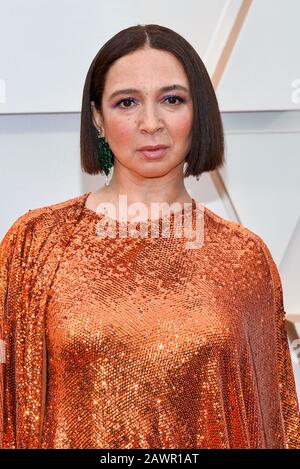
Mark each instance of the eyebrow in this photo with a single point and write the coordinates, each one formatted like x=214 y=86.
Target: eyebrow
x=134 y=90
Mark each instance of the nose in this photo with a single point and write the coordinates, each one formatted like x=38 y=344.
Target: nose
x=150 y=119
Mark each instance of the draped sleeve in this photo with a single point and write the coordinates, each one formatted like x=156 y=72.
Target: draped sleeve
x=286 y=381
x=10 y=276
x=30 y=253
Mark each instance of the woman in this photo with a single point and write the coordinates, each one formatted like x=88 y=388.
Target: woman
x=138 y=341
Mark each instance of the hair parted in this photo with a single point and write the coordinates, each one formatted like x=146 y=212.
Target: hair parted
x=207 y=145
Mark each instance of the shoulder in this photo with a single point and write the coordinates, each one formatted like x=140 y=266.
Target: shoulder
x=44 y=218
x=223 y=227
x=247 y=251
x=238 y=239
x=233 y=230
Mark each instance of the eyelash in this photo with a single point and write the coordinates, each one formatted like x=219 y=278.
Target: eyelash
x=181 y=100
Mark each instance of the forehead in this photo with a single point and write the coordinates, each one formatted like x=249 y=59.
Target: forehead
x=145 y=67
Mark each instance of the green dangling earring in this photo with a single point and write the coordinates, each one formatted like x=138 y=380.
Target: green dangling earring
x=106 y=157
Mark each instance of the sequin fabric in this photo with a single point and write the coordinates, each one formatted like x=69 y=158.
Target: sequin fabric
x=139 y=342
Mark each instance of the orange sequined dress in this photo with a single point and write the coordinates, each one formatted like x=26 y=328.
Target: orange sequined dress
x=148 y=344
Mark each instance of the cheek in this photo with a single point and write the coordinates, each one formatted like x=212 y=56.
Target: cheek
x=120 y=129
x=181 y=127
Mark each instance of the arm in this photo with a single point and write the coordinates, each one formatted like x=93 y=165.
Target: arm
x=7 y=384
x=287 y=387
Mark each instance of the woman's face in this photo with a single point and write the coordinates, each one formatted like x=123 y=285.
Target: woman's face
x=147 y=115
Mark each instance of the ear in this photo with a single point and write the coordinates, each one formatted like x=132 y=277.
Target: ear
x=96 y=117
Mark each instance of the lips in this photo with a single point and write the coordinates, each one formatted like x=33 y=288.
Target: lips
x=151 y=152
x=152 y=147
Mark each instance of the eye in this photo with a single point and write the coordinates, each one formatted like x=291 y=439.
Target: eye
x=173 y=97
x=125 y=100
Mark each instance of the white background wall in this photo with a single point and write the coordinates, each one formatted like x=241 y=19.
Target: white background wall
x=45 y=51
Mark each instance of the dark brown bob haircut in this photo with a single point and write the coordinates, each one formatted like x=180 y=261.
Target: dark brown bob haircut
x=207 y=143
